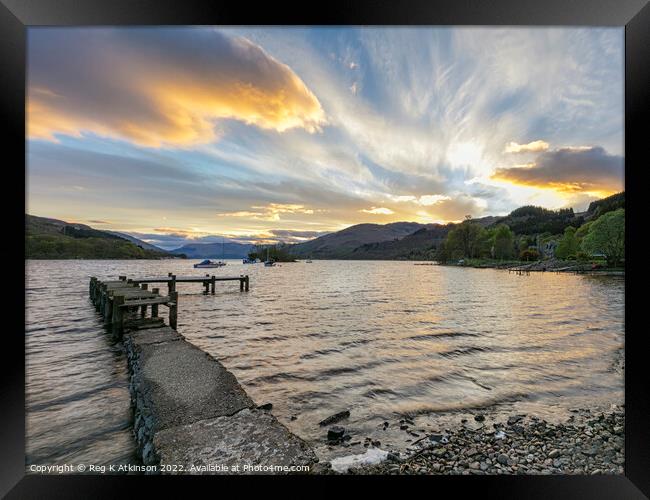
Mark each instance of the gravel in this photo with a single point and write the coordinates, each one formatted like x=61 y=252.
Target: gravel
x=588 y=442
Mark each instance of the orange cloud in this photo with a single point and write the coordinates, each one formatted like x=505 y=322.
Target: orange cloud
x=378 y=211
x=531 y=147
x=158 y=90
x=569 y=170
x=270 y=212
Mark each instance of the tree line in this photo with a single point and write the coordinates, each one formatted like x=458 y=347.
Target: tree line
x=604 y=235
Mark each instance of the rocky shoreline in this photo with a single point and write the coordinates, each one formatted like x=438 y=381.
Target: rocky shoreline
x=550 y=265
x=588 y=442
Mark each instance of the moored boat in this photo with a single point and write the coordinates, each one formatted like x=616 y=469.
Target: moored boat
x=207 y=263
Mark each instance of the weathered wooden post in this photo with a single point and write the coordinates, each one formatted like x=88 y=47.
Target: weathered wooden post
x=212 y=282
x=241 y=282
x=118 y=316
x=104 y=298
x=154 y=307
x=173 y=309
x=171 y=284
x=108 y=308
x=246 y=282
x=206 y=285
x=143 y=309
x=98 y=301
x=91 y=287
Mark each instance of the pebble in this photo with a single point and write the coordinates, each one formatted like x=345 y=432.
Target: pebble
x=594 y=446
x=335 y=433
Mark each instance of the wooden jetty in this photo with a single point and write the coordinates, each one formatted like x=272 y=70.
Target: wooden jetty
x=189 y=411
x=128 y=300
x=207 y=281
x=521 y=271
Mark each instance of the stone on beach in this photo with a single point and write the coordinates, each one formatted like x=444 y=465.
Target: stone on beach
x=335 y=433
x=334 y=418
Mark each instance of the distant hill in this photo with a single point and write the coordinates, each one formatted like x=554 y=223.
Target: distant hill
x=214 y=250
x=138 y=242
x=420 y=245
x=341 y=245
x=47 y=238
x=609 y=204
x=414 y=241
x=531 y=220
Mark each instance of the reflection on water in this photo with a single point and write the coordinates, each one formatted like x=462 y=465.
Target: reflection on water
x=379 y=338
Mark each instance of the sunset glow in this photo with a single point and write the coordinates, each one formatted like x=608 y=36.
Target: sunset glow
x=269 y=134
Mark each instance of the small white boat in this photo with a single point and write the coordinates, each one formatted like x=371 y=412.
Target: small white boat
x=308 y=261
x=207 y=263
x=250 y=261
x=268 y=262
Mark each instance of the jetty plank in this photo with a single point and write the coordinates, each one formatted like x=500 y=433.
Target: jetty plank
x=147 y=302
x=186 y=279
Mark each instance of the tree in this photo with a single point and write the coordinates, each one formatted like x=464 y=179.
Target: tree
x=466 y=240
x=583 y=231
x=277 y=253
x=529 y=254
x=503 y=242
x=607 y=236
x=443 y=255
x=568 y=245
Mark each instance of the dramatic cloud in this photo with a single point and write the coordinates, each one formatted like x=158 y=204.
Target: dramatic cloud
x=432 y=199
x=270 y=212
x=535 y=146
x=570 y=170
x=209 y=131
x=453 y=208
x=378 y=211
x=159 y=87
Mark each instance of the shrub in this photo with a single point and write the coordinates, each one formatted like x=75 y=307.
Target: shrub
x=529 y=254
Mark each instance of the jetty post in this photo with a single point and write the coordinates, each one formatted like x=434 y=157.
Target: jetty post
x=91 y=287
x=212 y=283
x=173 y=309
x=143 y=309
x=206 y=285
x=108 y=308
x=171 y=284
x=118 y=316
x=154 y=307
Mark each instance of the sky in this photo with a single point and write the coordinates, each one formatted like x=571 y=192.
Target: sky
x=193 y=134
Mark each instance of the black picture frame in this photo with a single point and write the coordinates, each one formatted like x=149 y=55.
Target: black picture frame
x=17 y=15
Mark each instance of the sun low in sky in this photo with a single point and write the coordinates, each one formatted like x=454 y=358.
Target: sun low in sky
x=268 y=134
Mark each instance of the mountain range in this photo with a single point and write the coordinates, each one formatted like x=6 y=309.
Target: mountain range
x=52 y=238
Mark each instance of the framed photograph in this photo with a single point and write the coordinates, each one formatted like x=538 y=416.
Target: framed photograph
x=381 y=241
